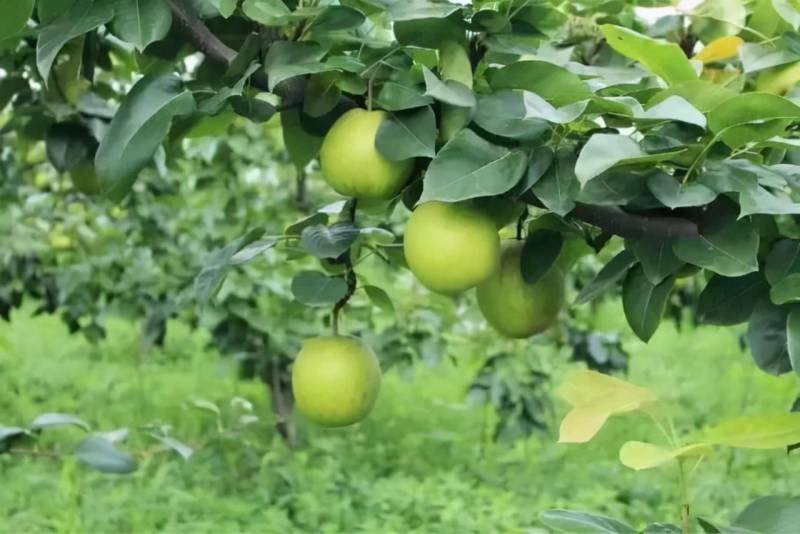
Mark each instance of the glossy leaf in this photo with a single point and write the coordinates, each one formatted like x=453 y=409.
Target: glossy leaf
x=287 y=59
x=314 y=288
x=787 y=290
x=539 y=253
x=104 y=456
x=83 y=16
x=408 y=135
x=673 y=194
x=58 y=419
x=770 y=515
x=137 y=130
x=783 y=260
x=766 y=335
x=604 y=151
x=729 y=301
x=300 y=144
x=751 y=117
x=142 y=22
x=468 y=166
x=448 y=91
x=558 y=187
x=329 y=241
x=644 y=302
x=555 y=84
x=585 y=522
x=663 y=59
x=379 y=298
x=657 y=258
x=729 y=251
x=504 y=113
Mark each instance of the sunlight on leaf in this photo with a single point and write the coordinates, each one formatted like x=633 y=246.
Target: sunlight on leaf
x=639 y=455
x=594 y=398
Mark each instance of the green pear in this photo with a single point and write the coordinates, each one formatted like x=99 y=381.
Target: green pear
x=352 y=165
x=517 y=309
x=335 y=380
x=451 y=247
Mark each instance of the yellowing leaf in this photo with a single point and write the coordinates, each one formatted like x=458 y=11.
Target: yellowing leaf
x=594 y=398
x=719 y=49
x=639 y=455
x=757 y=432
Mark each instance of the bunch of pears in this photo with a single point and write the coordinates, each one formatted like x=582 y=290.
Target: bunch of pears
x=450 y=248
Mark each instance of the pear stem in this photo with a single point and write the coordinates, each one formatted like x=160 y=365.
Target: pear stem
x=350 y=275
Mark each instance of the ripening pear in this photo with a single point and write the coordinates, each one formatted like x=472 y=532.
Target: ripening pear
x=335 y=380
x=515 y=308
x=451 y=247
x=352 y=165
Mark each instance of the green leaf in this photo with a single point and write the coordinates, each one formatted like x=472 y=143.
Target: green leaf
x=657 y=258
x=584 y=522
x=104 y=456
x=430 y=32
x=594 y=398
x=295 y=229
x=68 y=145
x=396 y=97
x=771 y=515
x=337 y=18
x=322 y=94
x=301 y=145
x=616 y=187
x=287 y=59
x=255 y=109
x=454 y=63
x=421 y=9
x=142 y=22
x=766 y=335
x=58 y=419
x=757 y=432
x=267 y=12
x=15 y=16
x=665 y=60
x=314 y=288
x=751 y=117
x=609 y=275
x=408 y=135
x=644 y=302
x=793 y=338
x=210 y=278
x=670 y=192
x=604 y=151
x=729 y=251
x=674 y=108
x=214 y=104
x=49 y=10
x=183 y=450
x=504 y=113
x=379 y=298
x=701 y=94
x=82 y=17
x=137 y=130
x=558 y=187
x=225 y=7
x=756 y=57
x=786 y=290
x=252 y=251
x=639 y=455
x=329 y=241
x=788 y=11
x=8 y=434
x=782 y=260
x=555 y=84
x=448 y=91
x=540 y=162
x=662 y=528
x=539 y=253
x=729 y=301
x=468 y=166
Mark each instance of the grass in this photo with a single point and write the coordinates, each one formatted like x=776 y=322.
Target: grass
x=419 y=464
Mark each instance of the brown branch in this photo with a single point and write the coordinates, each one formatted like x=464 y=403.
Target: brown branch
x=624 y=224
x=205 y=41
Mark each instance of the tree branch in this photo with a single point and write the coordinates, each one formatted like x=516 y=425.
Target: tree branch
x=205 y=41
x=624 y=224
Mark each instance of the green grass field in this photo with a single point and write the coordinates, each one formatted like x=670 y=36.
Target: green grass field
x=420 y=463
